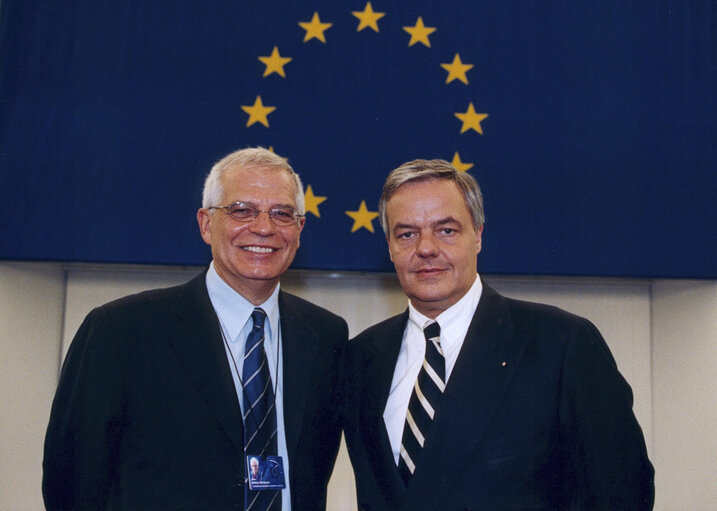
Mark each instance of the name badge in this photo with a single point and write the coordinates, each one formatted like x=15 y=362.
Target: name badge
x=265 y=473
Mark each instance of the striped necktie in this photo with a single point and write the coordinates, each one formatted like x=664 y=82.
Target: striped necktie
x=425 y=398
x=259 y=412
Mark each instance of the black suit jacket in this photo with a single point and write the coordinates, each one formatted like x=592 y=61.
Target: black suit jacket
x=535 y=416
x=146 y=415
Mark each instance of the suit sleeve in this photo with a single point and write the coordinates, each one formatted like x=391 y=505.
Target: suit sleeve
x=610 y=467
x=84 y=431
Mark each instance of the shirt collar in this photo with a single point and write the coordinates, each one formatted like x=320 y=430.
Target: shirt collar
x=234 y=311
x=454 y=321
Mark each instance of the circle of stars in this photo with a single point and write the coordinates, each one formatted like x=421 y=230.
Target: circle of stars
x=419 y=33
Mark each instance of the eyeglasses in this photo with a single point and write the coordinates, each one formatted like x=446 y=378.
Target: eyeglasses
x=245 y=212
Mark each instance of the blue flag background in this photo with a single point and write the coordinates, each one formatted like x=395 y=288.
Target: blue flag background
x=591 y=126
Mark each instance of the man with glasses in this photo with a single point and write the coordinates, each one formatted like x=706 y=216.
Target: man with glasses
x=167 y=396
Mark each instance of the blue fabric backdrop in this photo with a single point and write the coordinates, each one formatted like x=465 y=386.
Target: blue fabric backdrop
x=590 y=126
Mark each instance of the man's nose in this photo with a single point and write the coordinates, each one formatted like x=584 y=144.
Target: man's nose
x=262 y=224
x=427 y=246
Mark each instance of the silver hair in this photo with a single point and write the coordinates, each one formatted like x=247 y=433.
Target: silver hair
x=425 y=170
x=251 y=157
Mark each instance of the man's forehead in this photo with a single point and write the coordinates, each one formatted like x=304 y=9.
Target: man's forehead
x=255 y=169
x=406 y=208
x=254 y=177
x=447 y=196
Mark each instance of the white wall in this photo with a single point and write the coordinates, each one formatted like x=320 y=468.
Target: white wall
x=684 y=318
x=31 y=306
x=661 y=333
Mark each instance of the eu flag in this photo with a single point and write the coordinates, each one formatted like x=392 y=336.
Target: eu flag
x=590 y=126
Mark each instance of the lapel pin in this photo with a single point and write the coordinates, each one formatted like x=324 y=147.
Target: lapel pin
x=504 y=364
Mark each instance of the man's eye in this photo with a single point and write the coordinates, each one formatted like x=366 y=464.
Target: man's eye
x=241 y=211
x=448 y=230
x=283 y=213
x=405 y=235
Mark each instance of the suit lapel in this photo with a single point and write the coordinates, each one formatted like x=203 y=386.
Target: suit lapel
x=299 y=350
x=197 y=341
x=484 y=368
x=380 y=364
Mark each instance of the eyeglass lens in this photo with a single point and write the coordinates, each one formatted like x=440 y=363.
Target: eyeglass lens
x=247 y=212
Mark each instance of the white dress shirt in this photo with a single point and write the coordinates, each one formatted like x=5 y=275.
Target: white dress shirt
x=454 y=323
x=234 y=312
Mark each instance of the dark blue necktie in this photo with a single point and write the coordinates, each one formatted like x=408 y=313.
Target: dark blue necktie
x=426 y=396
x=259 y=412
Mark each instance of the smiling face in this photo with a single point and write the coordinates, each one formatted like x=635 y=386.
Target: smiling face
x=252 y=256
x=433 y=243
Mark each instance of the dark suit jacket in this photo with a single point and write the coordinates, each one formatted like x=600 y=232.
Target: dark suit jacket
x=146 y=415
x=535 y=416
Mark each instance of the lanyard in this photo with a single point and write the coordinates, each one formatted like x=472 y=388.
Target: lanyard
x=238 y=374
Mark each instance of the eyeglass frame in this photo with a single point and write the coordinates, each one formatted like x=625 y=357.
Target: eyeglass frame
x=248 y=205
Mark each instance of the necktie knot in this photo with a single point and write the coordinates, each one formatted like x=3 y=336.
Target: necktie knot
x=432 y=331
x=258 y=316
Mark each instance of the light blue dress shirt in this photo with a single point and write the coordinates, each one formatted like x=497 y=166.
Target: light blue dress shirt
x=234 y=312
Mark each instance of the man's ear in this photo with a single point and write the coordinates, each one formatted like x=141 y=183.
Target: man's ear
x=302 y=222
x=204 y=219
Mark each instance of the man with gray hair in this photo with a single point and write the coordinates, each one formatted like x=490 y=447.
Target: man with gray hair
x=168 y=397
x=520 y=404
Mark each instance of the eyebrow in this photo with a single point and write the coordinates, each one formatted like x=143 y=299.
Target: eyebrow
x=442 y=221
x=447 y=220
x=249 y=203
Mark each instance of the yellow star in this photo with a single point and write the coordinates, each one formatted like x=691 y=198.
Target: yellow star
x=275 y=63
x=362 y=218
x=419 y=33
x=258 y=112
x=457 y=69
x=460 y=165
x=314 y=28
x=368 y=18
x=471 y=119
x=312 y=201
